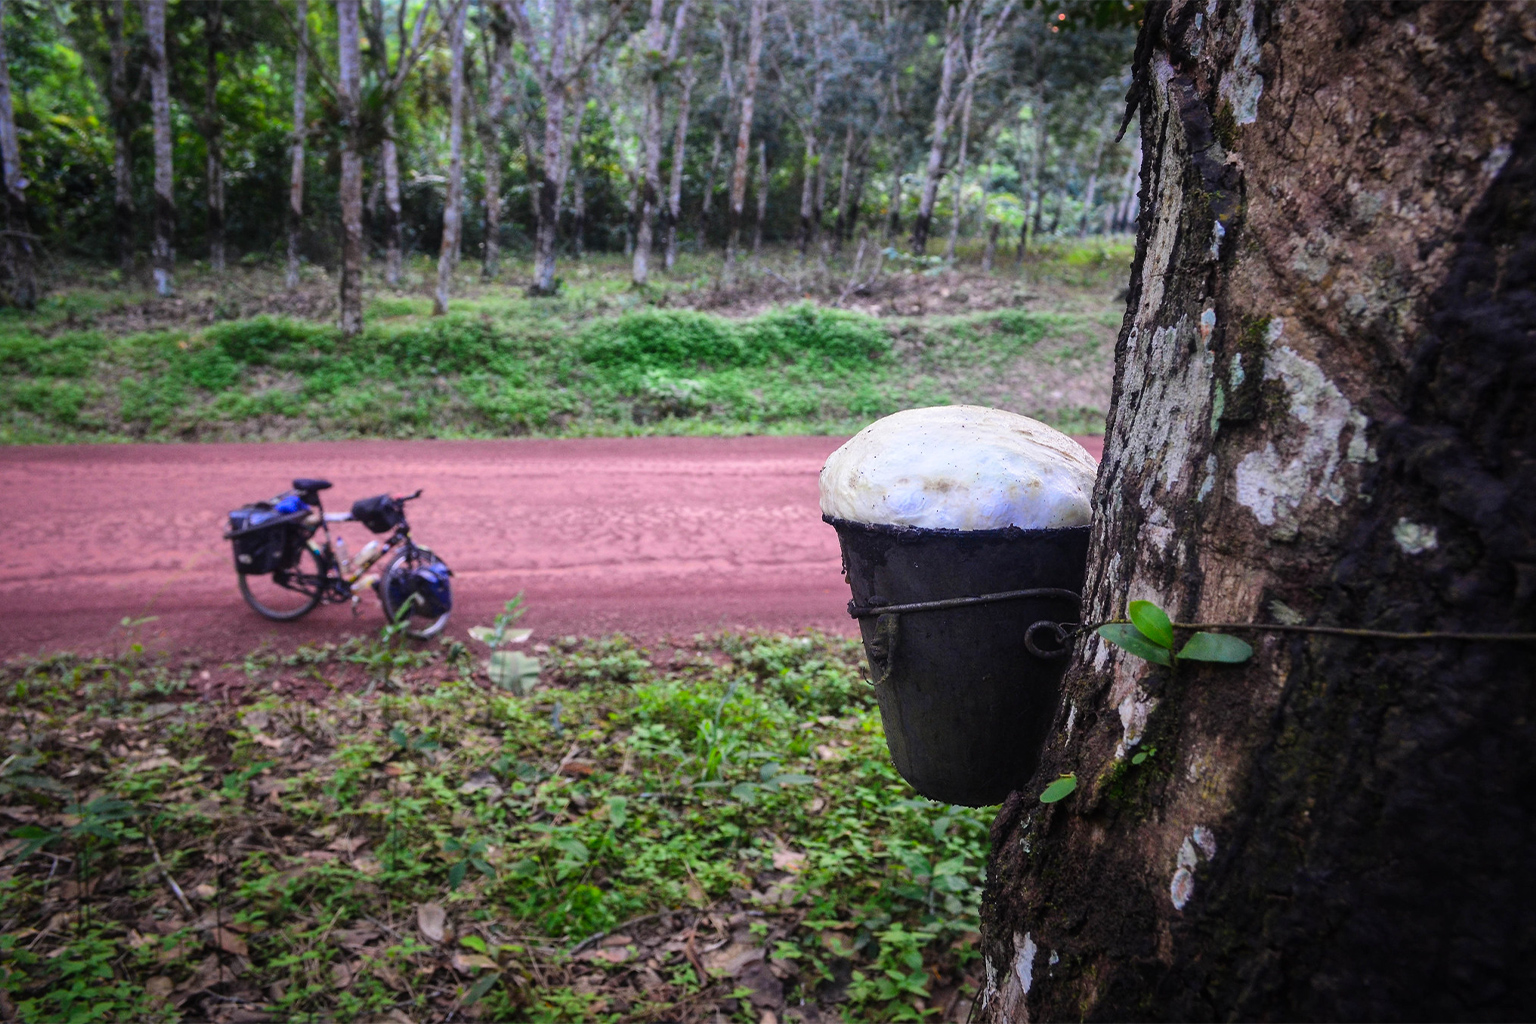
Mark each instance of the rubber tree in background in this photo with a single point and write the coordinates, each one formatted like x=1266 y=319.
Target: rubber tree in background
x=553 y=47
x=349 y=77
x=392 y=81
x=954 y=37
x=453 y=203
x=1321 y=418
x=19 y=270
x=673 y=211
x=213 y=130
x=296 y=146
x=659 y=58
x=163 y=252
x=984 y=32
x=115 y=16
x=744 y=127
x=496 y=37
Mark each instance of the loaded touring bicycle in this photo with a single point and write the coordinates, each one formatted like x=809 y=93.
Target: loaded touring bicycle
x=288 y=563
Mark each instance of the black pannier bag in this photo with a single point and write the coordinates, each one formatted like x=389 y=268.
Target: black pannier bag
x=380 y=513
x=265 y=540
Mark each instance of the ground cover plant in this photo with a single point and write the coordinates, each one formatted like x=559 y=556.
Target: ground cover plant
x=778 y=348
x=370 y=831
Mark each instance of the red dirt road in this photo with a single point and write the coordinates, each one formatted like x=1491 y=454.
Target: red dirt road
x=649 y=536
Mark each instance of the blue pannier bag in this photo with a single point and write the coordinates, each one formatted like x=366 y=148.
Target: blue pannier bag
x=429 y=582
x=267 y=535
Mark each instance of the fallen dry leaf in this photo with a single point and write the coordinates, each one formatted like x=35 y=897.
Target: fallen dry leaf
x=343 y=974
x=159 y=988
x=468 y=963
x=613 y=954
x=431 y=919
x=228 y=941
x=792 y=861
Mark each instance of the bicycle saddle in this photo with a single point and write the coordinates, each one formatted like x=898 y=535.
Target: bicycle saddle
x=304 y=485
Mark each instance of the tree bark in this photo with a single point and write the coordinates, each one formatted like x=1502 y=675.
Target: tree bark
x=744 y=130
x=1321 y=416
x=674 y=208
x=19 y=269
x=499 y=63
x=349 y=79
x=646 y=196
x=213 y=130
x=116 y=18
x=164 y=251
x=953 y=39
x=965 y=142
x=839 y=226
x=394 y=218
x=762 y=196
x=296 y=147
x=453 y=204
x=709 y=187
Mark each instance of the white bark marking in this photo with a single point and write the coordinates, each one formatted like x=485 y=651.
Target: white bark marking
x=1275 y=486
x=1414 y=538
x=1242 y=85
x=1024 y=964
x=1133 y=722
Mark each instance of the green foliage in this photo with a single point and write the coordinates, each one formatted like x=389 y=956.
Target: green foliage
x=1059 y=790
x=441 y=790
x=1150 y=637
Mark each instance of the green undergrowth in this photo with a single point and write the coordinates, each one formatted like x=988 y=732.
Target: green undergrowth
x=415 y=842
x=503 y=367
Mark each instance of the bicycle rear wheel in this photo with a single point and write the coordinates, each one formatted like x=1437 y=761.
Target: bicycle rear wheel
x=421 y=626
x=287 y=594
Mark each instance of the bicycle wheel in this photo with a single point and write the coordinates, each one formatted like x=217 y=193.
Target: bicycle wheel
x=422 y=626
x=287 y=594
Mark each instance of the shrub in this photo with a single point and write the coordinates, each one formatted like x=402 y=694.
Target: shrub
x=663 y=339
x=261 y=340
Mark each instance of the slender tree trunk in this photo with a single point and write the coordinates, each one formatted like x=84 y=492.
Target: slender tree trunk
x=453 y=205
x=744 y=131
x=808 y=168
x=500 y=61
x=762 y=196
x=164 y=251
x=709 y=186
x=1032 y=221
x=19 y=262
x=953 y=38
x=675 y=185
x=547 y=234
x=116 y=18
x=965 y=141
x=1321 y=418
x=213 y=130
x=839 y=226
x=990 y=255
x=893 y=228
x=647 y=196
x=349 y=78
x=1093 y=182
x=394 y=218
x=296 y=147
x=578 y=189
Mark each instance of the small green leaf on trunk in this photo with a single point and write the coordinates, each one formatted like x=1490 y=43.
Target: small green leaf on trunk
x=1059 y=790
x=1216 y=647
x=1153 y=623
x=1130 y=639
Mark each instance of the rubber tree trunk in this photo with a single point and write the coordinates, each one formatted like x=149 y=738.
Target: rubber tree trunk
x=762 y=196
x=674 y=209
x=17 y=249
x=500 y=61
x=647 y=196
x=453 y=204
x=548 y=231
x=296 y=147
x=1321 y=416
x=213 y=130
x=744 y=129
x=394 y=219
x=953 y=39
x=163 y=253
x=844 y=183
x=709 y=185
x=965 y=141
x=349 y=80
x=116 y=18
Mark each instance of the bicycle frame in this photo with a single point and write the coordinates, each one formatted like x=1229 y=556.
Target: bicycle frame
x=337 y=586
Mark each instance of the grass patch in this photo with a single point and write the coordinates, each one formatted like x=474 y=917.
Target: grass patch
x=598 y=360
x=640 y=838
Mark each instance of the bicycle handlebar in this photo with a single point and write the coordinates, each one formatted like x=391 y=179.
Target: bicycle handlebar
x=409 y=497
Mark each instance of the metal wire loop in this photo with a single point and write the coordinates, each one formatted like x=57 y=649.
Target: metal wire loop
x=1062 y=632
